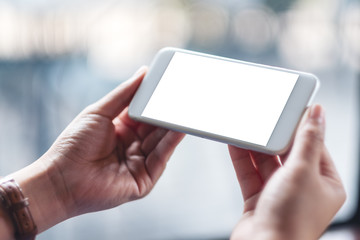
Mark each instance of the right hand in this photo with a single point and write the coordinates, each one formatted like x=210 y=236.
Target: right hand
x=291 y=197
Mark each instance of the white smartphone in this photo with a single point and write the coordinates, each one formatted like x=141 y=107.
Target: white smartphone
x=248 y=105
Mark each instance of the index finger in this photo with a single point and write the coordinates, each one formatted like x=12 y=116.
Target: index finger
x=249 y=179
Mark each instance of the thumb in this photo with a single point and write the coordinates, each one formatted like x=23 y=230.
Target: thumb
x=118 y=99
x=309 y=140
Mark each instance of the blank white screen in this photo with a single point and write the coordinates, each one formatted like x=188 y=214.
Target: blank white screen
x=221 y=97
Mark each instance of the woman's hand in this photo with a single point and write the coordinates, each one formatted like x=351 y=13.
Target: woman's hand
x=102 y=159
x=291 y=197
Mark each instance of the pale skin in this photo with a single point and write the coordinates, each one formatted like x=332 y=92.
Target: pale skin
x=101 y=160
x=104 y=159
x=291 y=197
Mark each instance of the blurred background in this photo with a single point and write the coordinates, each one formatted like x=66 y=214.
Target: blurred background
x=56 y=57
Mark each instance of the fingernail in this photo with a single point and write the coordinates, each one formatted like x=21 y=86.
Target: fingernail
x=317 y=113
x=140 y=71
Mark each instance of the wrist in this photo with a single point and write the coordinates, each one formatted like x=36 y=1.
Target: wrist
x=45 y=198
x=279 y=230
x=255 y=228
x=7 y=230
x=257 y=233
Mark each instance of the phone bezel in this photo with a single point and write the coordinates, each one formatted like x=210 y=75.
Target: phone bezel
x=300 y=97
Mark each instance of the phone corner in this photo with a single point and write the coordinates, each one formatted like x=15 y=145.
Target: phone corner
x=279 y=150
x=317 y=82
x=167 y=49
x=131 y=113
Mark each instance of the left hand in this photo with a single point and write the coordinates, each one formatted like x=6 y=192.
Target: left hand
x=104 y=158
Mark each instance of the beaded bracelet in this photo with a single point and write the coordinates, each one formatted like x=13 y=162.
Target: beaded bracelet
x=16 y=205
